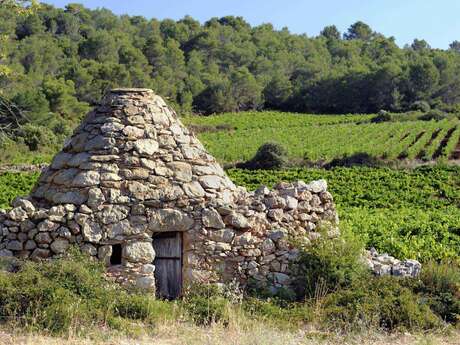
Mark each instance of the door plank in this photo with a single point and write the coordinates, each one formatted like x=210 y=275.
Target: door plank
x=167 y=246
x=168 y=264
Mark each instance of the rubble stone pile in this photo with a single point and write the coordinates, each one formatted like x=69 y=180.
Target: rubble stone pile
x=384 y=264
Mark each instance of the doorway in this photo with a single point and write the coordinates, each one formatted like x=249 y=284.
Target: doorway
x=168 y=264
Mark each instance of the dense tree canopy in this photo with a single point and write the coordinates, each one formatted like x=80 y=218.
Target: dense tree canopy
x=60 y=61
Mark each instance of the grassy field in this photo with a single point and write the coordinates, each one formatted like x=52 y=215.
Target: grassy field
x=180 y=334
x=235 y=137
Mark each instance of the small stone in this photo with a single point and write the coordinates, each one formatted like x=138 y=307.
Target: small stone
x=111 y=127
x=237 y=220
x=225 y=235
x=118 y=229
x=25 y=204
x=291 y=203
x=57 y=213
x=59 y=246
x=75 y=198
x=85 y=209
x=5 y=253
x=191 y=152
x=86 y=179
x=104 y=253
x=60 y=160
x=47 y=225
x=139 y=252
x=99 y=143
x=40 y=253
x=381 y=269
x=91 y=231
x=136 y=120
x=148 y=269
x=262 y=191
x=145 y=283
x=212 y=219
x=170 y=220
x=147 y=163
x=210 y=181
x=43 y=238
x=138 y=190
x=113 y=214
x=193 y=190
x=18 y=214
x=27 y=225
x=276 y=235
x=95 y=197
x=223 y=247
x=244 y=239
x=146 y=146
x=268 y=246
x=78 y=159
x=182 y=171
x=281 y=278
x=65 y=177
x=275 y=214
x=318 y=186
x=64 y=233
x=14 y=245
x=89 y=249
x=30 y=245
x=133 y=132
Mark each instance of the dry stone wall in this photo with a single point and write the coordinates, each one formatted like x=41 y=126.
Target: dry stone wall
x=131 y=170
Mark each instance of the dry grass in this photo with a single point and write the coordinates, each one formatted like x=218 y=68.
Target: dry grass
x=254 y=334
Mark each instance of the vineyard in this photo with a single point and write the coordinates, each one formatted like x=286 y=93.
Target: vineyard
x=413 y=213
x=235 y=137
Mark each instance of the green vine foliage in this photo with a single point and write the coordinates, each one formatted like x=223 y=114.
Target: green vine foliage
x=407 y=213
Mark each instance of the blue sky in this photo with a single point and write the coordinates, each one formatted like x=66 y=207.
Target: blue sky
x=436 y=21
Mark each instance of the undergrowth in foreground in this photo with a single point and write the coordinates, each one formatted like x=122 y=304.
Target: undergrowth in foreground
x=70 y=296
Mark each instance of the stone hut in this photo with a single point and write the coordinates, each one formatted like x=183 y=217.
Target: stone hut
x=134 y=188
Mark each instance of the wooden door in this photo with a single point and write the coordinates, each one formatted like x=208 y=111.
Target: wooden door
x=168 y=264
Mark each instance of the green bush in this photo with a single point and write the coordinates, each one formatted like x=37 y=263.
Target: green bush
x=435 y=115
x=356 y=159
x=206 y=304
x=378 y=302
x=382 y=116
x=72 y=295
x=439 y=284
x=328 y=265
x=278 y=311
x=421 y=106
x=36 y=137
x=270 y=155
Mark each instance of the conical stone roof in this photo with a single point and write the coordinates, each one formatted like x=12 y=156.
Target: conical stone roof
x=132 y=148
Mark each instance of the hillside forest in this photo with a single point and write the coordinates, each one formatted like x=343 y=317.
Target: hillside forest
x=56 y=62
